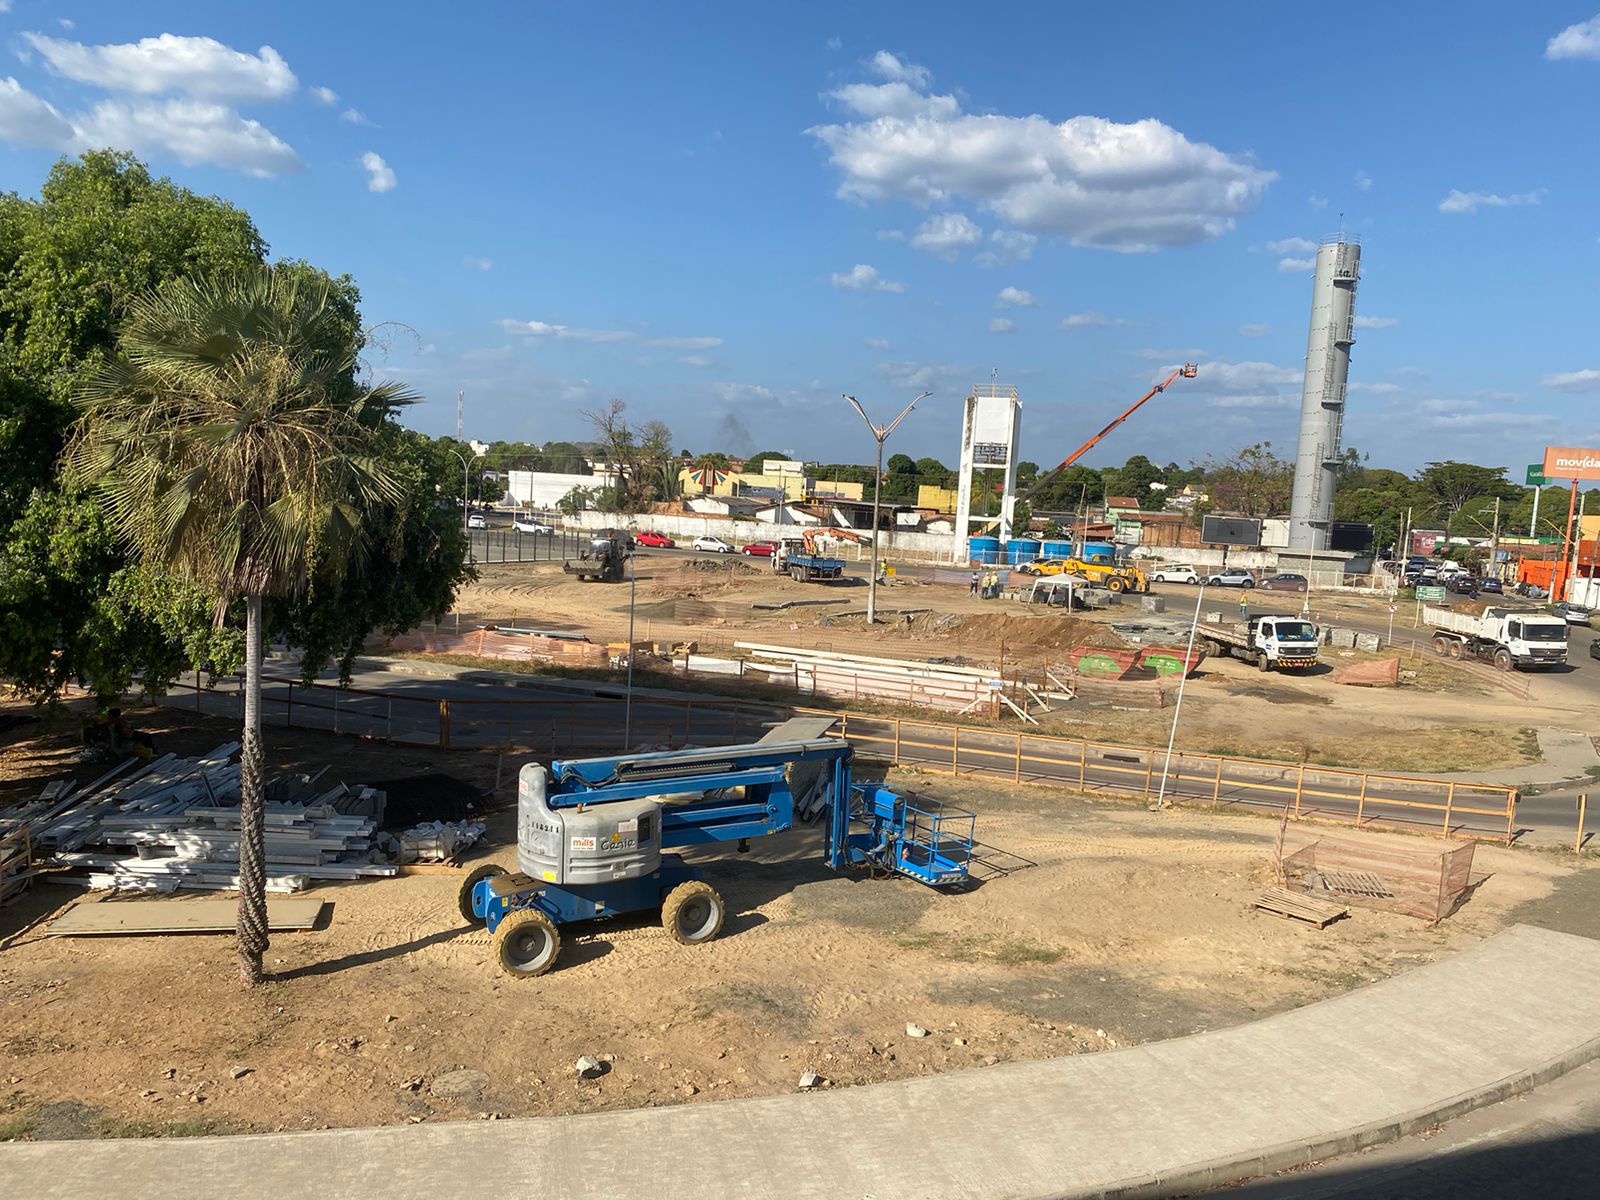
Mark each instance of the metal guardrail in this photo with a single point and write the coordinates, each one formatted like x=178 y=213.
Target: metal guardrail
x=594 y=724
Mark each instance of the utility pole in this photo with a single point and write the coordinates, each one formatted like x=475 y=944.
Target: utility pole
x=1494 y=542
x=461 y=397
x=880 y=434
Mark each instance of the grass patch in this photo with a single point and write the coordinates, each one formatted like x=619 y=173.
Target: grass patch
x=1010 y=952
x=69 y=1120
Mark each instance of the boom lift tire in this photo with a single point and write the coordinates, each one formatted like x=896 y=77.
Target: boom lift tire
x=692 y=913
x=526 y=943
x=464 y=896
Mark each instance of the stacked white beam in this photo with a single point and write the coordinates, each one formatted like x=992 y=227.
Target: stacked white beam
x=175 y=823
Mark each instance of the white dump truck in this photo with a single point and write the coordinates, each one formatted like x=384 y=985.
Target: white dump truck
x=1287 y=643
x=1508 y=637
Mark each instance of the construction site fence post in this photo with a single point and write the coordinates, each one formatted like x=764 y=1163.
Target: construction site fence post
x=1583 y=809
x=388 y=722
x=288 y=706
x=1017 y=776
x=1299 y=789
x=897 y=741
x=955 y=749
x=336 y=710
x=1216 y=786
x=197 y=689
x=444 y=724
x=1449 y=803
x=1083 y=764
x=1361 y=800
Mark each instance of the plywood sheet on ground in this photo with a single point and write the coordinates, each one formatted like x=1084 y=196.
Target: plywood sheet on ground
x=176 y=916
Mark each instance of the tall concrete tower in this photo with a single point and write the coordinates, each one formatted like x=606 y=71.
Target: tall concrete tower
x=1316 y=461
x=991 y=424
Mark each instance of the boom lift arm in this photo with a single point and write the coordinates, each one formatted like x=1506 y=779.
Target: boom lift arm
x=1187 y=371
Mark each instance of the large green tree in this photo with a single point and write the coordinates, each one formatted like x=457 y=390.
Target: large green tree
x=230 y=448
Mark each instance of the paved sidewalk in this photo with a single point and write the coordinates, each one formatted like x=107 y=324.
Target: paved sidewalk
x=1565 y=757
x=1512 y=1012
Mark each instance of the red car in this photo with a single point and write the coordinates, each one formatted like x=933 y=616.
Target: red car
x=764 y=549
x=655 y=540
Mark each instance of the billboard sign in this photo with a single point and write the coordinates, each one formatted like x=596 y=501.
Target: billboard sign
x=989 y=454
x=1230 y=531
x=1354 y=536
x=1536 y=475
x=1430 y=593
x=1571 y=462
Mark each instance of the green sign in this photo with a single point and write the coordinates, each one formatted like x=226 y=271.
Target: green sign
x=1430 y=593
x=1536 y=475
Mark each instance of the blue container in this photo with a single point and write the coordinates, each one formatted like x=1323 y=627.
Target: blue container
x=1099 y=552
x=1056 y=550
x=985 y=551
x=1021 y=550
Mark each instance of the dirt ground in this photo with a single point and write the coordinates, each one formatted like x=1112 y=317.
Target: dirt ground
x=1118 y=927
x=1442 y=718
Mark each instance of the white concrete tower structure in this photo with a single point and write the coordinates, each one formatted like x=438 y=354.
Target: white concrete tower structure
x=991 y=425
x=1333 y=332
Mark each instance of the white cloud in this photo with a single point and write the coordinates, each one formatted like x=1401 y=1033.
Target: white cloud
x=1363 y=181
x=26 y=120
x=1377 y=322
x=1134 y=186
x=195 y=66
x=1291 y=245
x=891 y=235
x=897 y=70
x=1470 y=202
x=1001 y=325
x=946 y=234
x=833 y=43
x=354 y=117
x=1576 y=41
x=66 y=23
x=1376 y=389
x=744 y=393
x=380 y=175
x=189 y=130
x=917 y=375
x=1006 y=246
x=1297 y=264
x=876 y=343
x=1014 y=297
x=1317 y=201
x=1254 y=330
x=5 y=6
x=325 y=95
x=1191 y=354
x=695 y=360
x=1586 y=380
x=1246 y=384
x=541 y=330
x=864 y=278
x=1084 y=320
x=476 y=263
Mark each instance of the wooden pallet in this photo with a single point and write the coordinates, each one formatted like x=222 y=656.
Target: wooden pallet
x=1302 y=908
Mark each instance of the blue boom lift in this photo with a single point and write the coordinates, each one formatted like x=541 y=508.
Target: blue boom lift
x=591 y=835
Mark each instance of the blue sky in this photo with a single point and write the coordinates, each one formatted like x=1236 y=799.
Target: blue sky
x=729 y=214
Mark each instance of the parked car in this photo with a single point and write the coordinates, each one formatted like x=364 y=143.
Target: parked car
x=1491 y=585
x=1284 y=582
x=759 y=549
x=1042 y=566
x=1238 y=579
x=529 y=525
x=1177 y=573
x=477 y=521
x=1462 y=584
x=712 y=545
x=1575 y=614
x=655 y=539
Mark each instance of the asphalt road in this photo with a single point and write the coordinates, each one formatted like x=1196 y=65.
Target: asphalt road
x=540 y=717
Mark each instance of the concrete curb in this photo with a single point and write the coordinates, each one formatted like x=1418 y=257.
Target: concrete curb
x=1225 y=1172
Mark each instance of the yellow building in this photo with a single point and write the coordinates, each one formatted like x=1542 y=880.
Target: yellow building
x=937 y=498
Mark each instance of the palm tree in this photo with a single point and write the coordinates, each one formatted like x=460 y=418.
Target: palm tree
x=229 y=443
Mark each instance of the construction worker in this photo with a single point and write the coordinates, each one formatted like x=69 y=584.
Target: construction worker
x=973 y=591
x=1244 y=604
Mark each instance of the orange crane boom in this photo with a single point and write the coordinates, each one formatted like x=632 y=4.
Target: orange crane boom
x=1187 y=371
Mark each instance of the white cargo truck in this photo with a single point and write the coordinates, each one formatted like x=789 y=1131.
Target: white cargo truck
x=1508 y=637
x=1288 y=643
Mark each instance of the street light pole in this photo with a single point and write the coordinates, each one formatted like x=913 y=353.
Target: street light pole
x=1161 y=795
x=466 y=493
x=880 y=434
